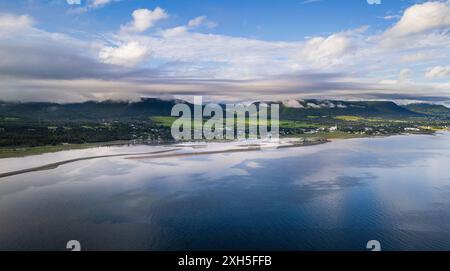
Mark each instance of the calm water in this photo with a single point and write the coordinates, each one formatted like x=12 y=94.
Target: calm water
x=335 y=196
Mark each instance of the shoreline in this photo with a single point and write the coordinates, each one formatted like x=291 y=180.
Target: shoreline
x=176 y=147
x=157 y=154
x=249 y=148
x=18 y=152
x=57 y=164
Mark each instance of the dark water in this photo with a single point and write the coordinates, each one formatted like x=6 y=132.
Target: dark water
x=335 y=196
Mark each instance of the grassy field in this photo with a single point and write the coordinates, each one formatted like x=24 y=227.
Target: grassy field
x=167 y=122
x=164 y=121
x=435 y=128
x=350 y=118
x=332 y=135
x=368 y=120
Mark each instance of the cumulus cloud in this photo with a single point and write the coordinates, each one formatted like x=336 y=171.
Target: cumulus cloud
x=420 y=19
x=128 y=54
x=437 y=72
x=333 y=46
x=144 y=19
x=327 y=49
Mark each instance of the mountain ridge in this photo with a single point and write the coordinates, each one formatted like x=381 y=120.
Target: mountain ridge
x=291 y=109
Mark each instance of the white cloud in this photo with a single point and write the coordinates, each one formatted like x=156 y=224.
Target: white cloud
x=180 y=30
x=331 y=50
x=374 y=2
x=391 y=17
x=232 y=58
x=73 y=2
x=90 y=5
x=144 y=19
x=128 y=54
x=313 y=105
x=330 y=47
x=197 y=21
x=421 y=18
x=292 y=104
x=11 y=22
x=184 y=60
x=437 y=72
x=98 y=3
x=201 y=20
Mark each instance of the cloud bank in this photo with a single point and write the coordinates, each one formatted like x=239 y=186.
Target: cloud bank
x=140 y=58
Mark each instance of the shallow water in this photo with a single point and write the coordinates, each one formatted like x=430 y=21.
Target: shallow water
x=334 y=196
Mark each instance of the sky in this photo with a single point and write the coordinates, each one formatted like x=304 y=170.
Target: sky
x=78 y=50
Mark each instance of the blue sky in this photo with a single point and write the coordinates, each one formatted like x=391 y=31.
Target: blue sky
x=264 y=19
x=72 y=50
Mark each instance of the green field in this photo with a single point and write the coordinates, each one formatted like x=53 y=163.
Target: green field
x=167 y=122
x=350 y=118
x=368 y=120
x=164 y=121
x=332 y=135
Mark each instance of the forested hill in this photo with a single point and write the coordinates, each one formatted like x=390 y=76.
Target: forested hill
x=293 y=109
x=429 y=109
x=385 y=109
x=87 y=111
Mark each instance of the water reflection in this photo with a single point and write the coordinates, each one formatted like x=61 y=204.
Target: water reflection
x=331 y=196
